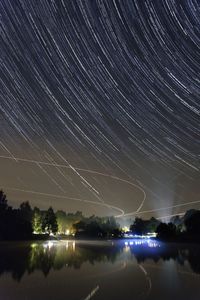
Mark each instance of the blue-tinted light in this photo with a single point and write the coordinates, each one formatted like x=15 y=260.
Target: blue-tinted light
x=146 y=242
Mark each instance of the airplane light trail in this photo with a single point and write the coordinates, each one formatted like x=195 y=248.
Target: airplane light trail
x=84 y=170
x=69 y=198
x=123 y=214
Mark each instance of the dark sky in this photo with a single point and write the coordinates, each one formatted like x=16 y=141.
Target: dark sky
x=100 y=105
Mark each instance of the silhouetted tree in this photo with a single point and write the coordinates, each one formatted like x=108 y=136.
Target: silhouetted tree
x=189 y=213
x=139 y=226
x=93 y=229
x=26 y=211
x=97 y=227
x=192 y=223
x=3 y=202
x=152 y=225
x=80 y=227
x=50 y=222
x=176 y=220
x=25 y=220
x=166 y=231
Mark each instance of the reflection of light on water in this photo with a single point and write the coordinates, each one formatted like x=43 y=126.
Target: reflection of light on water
x=153 y=244
x=67 y=245
x=74 y=246
x=126 y=249
x=148 y=278
x=48 y=245
x=92 y=293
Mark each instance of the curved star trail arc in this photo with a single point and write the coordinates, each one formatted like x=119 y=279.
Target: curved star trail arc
x=111 y=86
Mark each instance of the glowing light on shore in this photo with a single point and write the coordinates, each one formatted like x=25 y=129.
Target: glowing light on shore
x=150 y=243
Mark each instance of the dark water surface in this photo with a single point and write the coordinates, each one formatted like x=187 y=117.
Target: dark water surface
x=110 y=270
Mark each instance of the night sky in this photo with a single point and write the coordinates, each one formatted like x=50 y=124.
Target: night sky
x=100 y=105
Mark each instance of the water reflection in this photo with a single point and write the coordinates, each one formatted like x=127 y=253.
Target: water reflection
x=154 y=250
x=53 y=255
x=17 y=259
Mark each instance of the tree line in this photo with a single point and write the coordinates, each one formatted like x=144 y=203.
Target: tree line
x=23 y=222
x=27 y=223
x=185 y=228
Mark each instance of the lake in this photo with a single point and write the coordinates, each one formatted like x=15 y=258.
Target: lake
x=106 y=270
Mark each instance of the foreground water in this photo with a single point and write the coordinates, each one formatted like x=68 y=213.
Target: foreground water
x=110 y=270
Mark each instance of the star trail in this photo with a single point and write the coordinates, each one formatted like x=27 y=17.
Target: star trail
x=100 y=105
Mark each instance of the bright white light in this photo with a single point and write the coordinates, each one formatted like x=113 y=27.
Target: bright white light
x=67 y=232
x=50 y=244
x=67 y=245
